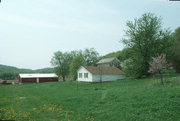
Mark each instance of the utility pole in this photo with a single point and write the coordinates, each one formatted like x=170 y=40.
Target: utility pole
x=100 y=73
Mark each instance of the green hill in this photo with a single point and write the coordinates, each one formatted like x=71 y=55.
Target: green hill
x=125 y=100
x=44 y=70
x=113 y=54
x=9 y=69
x=5 y=68
x=11 y=73
x=121 y=55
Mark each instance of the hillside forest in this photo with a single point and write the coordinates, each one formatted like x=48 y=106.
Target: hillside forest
x=144 y=39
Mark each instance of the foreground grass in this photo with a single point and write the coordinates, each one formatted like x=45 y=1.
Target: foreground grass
x=125 y=100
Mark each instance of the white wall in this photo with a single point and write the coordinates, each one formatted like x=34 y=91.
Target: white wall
x=83 y=70
x=96 y=78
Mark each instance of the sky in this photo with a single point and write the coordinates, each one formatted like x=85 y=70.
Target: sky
x=32 y=30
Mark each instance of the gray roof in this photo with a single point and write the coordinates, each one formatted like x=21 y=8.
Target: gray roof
x=107 y=60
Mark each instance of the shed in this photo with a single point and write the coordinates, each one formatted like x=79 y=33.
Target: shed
x=99 y=74
x=36 y=78
x=107 y=62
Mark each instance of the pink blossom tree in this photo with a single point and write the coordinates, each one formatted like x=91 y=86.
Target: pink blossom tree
x=158 y=65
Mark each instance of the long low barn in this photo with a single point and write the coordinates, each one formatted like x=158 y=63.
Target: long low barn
x=36 y=78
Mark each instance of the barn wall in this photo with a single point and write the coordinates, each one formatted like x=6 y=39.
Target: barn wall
x=48 y=79
x=96 y=78
x=34 y=80
x=83 y=70
x=28 y=80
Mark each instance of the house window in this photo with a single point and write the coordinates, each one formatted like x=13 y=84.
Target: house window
x=80 y=75
x=85 y=75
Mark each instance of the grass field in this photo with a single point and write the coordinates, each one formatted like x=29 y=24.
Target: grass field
x=125 y=100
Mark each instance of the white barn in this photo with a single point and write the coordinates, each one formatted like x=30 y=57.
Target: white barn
x=98 y=74
x=36 y=78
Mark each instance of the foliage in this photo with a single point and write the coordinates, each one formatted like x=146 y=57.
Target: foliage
x=61 y=62
x=67 y=63
x=5 y=68
x=44 y=70
x=126 y=100
x=133 y=67
x=8 y=75
x=175 y=49
x=113 y=54
x=146 y=39
x=90 y=56
x=14 y=71
x=125 y=54
x=158 y=65
x=76 y=63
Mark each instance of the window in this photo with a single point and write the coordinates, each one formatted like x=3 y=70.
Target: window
x=85 y=75
x=80 y=75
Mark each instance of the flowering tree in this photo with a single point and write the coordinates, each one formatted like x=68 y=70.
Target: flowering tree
x=158 y=65
x=145 y=37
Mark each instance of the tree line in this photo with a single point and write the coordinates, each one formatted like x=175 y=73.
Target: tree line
x=144 y=40
x=11 y=73
x=67 y=63
x=8 y=75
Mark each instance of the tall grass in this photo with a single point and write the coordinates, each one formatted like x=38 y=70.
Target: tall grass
x=124 y=100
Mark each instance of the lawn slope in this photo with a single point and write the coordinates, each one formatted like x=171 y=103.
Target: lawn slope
x=125 y=100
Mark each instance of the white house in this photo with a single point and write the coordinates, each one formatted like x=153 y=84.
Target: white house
x=98 y=74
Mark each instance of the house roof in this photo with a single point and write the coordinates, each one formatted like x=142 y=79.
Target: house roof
x=107 y=60
x=104 y=70
x=37 y=75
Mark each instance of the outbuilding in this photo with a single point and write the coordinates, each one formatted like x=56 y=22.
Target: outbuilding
x=99 y=74
x=109 y=62
x=37 y=78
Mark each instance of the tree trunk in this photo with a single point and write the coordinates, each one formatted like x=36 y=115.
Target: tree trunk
x=161 y=78
x=63 y=78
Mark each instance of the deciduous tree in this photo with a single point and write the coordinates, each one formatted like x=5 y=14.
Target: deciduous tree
x=158 y=65
x=67 y=63
x=76 y=63
x=175 y=49
x=146 y=38
x=61 y=62
x=90 y=56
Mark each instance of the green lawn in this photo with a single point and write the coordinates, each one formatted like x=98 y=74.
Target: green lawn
x=125 y=100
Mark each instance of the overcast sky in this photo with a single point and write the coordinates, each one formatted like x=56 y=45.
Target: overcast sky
x=32 y=30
